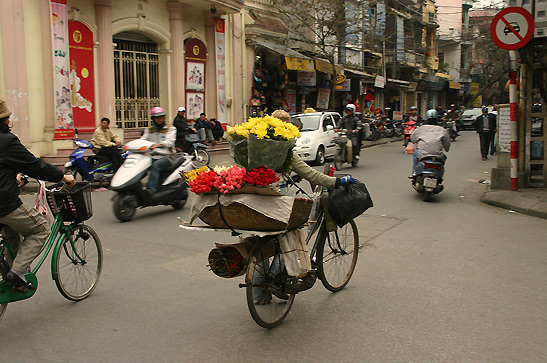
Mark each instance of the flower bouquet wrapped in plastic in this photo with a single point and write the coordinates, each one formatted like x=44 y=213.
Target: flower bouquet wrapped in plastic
x=263 y=141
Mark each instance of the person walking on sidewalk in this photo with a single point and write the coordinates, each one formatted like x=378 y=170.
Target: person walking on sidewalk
x=18 y=219
x=485 y=125
x=105 y=143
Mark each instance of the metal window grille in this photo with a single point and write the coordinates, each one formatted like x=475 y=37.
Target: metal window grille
x=136 y=78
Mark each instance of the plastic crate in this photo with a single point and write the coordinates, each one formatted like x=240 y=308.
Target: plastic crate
x=74 y=203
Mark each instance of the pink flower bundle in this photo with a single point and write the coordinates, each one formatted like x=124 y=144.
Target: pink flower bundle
x=229 y=179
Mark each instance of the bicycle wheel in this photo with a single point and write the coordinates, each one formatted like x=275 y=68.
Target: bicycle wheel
x=201 y=158
x=4 y=268
x=264 y=280
x=79 y=268
x=337 y=254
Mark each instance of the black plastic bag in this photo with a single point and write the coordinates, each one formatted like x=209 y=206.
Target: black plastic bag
x=348 y=202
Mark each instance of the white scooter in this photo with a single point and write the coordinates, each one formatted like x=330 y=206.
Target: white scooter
x=130 y=192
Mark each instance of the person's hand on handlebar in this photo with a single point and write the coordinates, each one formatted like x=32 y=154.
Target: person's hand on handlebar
x=69 y=179
x=155 y=146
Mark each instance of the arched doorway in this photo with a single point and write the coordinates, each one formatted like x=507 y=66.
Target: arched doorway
x=136 y=79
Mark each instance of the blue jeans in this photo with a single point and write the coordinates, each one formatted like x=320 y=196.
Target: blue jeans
x=155 y=171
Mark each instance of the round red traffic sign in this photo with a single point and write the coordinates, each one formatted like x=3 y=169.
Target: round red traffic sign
x=512 y=28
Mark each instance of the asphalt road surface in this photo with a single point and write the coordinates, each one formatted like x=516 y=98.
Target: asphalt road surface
x=452 y=280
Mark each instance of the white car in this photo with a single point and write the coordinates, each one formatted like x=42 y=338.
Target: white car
x=316 y=142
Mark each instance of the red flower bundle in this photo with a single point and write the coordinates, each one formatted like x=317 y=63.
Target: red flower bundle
x=204 y=182
x=260 y=176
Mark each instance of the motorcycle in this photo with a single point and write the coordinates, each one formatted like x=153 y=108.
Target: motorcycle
x=386 y=128
x=398 y=128
x=374 y=130
x=410 y=126
x=199 y=151
x=449 y=125
x=130 y=192
x=91 y=168
x=428 y=176
x=344 y=150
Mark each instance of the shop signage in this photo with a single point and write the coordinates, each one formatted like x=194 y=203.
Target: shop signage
x=64 y=124
x=454 y=85
x=299 y=64
x=306 y=79
x=291 y=100
x=340 y=78
x=504 y=125
x=397 y=115
x=322 y=66
x=323 y=94
x=221 y=71
x=477 y=102
x=380 y=81
x=80 y=43
x=344 y=86
x=196 y=56
x=475 y=87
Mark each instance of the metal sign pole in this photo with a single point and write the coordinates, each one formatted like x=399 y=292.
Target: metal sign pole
x=513 y=118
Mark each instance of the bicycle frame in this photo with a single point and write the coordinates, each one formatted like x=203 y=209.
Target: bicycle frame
x=58 y=230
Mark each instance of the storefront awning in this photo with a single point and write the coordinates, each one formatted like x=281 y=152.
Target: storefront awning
x=322 y=65
x=359 y=73
x=399 y=82
x=295 y=61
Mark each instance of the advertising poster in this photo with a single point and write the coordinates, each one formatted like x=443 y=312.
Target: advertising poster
x=504 y=126
x=195 y=76
x=81 y=75
x=291 y=100
x=194 y=104
x=64 y=125
x=221 y=71
x=323 y=94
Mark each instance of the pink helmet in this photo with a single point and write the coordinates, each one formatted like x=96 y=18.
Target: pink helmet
x=157 y=111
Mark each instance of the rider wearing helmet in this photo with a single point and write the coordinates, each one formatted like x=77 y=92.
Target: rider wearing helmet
x=430 y=139
x=351 y=123
x=413 y=116
x=453 y=115
x=163 y=138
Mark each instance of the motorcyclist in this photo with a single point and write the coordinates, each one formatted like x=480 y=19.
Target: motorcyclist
x=453 y=115
x=105 y=143
x=163 y=138
x=351 y=123
x=430 y=138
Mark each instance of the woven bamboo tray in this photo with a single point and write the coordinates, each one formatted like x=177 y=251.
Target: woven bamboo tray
x=239 y=216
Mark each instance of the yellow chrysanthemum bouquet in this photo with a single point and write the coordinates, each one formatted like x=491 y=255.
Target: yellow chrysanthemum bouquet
x=263 y=141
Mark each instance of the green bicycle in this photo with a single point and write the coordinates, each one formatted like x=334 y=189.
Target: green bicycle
x=77 y=257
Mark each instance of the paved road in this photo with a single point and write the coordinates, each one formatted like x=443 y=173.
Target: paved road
x=451 y=280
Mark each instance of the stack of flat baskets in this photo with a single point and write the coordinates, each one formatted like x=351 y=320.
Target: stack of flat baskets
x=239 y=216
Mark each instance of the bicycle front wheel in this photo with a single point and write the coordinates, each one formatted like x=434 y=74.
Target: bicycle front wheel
x=265 y=280
x=337 y=254
x=79 y=266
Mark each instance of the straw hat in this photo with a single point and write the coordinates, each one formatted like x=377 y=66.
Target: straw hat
x=4 y=110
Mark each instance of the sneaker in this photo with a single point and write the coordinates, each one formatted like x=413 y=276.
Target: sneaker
x=17 y=284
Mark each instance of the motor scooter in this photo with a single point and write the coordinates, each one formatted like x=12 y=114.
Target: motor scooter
x=130 y=192
x=91 y=168
x=344 y=150
x=428 y=176
x=410 y=126
x=449 y=125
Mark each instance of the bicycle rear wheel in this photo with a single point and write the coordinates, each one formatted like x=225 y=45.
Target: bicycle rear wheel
x=79 y=268
x=337 y=254
x=4 y=268
x=265 y=279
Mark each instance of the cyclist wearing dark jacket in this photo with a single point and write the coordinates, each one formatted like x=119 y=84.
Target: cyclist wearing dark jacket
x=351 y=123
x=17 y=218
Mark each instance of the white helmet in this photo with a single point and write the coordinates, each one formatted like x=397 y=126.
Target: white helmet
x=351 y=107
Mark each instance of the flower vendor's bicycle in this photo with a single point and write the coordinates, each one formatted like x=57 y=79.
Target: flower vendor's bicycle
x=77 y=256
x=270 y=290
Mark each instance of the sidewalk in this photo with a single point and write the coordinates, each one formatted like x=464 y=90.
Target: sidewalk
x=532 y=201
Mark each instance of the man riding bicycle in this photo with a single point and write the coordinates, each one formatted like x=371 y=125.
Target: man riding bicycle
x=19 y=219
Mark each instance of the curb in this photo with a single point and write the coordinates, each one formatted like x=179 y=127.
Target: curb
x=516 y=202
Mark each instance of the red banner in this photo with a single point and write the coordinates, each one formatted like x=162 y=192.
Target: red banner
x=81 y=76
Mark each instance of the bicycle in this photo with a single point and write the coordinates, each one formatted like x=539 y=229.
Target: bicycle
x=77 y=256
x=333 y=259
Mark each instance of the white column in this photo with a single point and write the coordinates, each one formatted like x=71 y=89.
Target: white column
x=105 y=60
x=176 y=26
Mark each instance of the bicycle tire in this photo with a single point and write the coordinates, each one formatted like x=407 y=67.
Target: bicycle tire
x=333 y=266
x=75 y=279
x=202 y=158
x=4 y=268
x=264 y=282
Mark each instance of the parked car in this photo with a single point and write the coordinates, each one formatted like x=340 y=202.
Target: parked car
x=316 y=141
x=469 y=116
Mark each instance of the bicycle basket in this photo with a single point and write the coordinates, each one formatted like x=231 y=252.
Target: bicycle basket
x=74 y=203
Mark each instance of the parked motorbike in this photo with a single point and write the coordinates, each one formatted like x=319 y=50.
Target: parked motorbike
x=428 y=176
x=398 y=128
x=130 y=192
x=344 y=150
x=199 y=153
x=91 y=168
x=386 y=128
x=374 y=130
